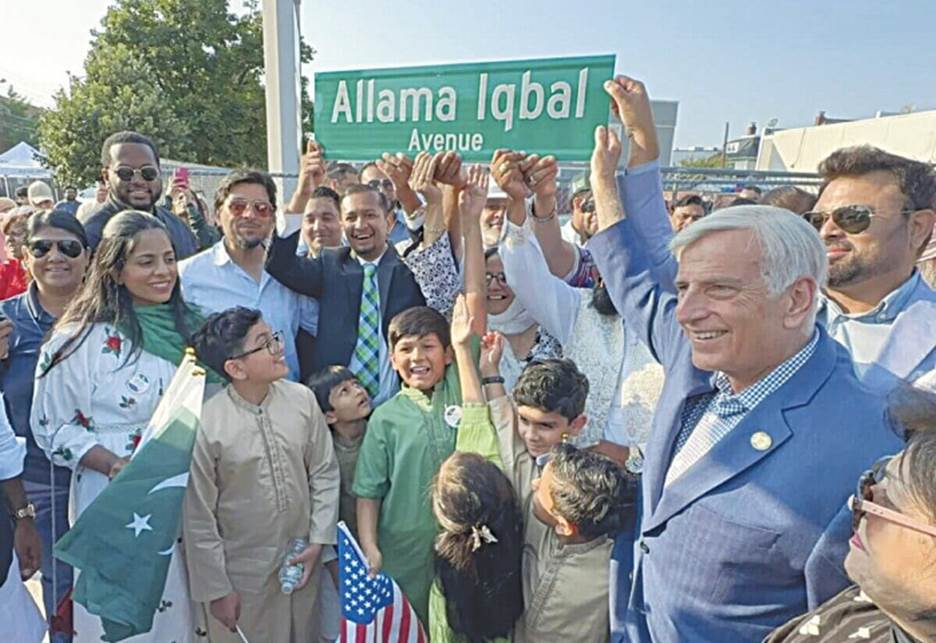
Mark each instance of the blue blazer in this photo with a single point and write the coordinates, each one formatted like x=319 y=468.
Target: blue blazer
x=747 y=538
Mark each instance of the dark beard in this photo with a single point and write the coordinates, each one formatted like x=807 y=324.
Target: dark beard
x=850 y=271
x=247 y=244
x=601 y=301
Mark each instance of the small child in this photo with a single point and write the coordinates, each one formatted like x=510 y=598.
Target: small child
x=408 y=437
x=263 y=473
x=346 y=405
x=570 y=506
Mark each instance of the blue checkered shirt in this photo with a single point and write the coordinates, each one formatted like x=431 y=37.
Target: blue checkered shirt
x=708 y=418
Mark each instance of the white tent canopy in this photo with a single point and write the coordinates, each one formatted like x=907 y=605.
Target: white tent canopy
x=23 y=160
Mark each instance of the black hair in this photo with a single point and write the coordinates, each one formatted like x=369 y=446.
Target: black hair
x=916 y=179
x=419 y=321
x=71 y=187
x=103 y=299
x=591 y=491
x=790 y=197
x=479 y=549
x=752 y=187
x=689 y=199
x=239 y=177
x=601 y=301
x=21 y=192
x=222 y=336
x=360 y=188
x=553 y=386
x=741 y=201
x=325 y=192
x=119 y=138
x=325 y=380
x=60 y=219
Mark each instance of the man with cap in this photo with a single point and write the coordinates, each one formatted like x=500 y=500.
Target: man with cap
x=583 y=223
x=40 y=195
x=70 y=203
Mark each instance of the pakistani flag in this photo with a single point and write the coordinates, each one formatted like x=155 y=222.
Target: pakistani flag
x=123 y=541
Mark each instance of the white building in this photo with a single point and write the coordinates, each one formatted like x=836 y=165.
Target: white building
x=802 y=149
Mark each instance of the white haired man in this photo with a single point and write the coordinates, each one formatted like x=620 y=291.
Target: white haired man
x=752 y=453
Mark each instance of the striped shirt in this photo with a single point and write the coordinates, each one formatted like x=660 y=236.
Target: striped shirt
x=708 y=418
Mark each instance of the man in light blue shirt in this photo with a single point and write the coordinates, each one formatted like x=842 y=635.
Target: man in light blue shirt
x=231 y=273
x=875 y=216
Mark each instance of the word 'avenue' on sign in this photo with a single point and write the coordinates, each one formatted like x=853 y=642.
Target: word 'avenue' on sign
x=543 y=106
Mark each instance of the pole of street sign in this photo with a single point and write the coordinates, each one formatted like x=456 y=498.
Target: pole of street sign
x=283 y=117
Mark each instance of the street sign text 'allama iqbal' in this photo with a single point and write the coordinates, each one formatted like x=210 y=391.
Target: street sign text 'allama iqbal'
x=545 y=106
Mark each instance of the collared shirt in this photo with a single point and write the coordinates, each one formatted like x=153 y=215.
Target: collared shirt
x=214 y=282
x=400 y=231
x=864 y=334
x=708 y=418
x=31 y=324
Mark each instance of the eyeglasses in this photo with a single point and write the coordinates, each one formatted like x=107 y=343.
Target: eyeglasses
x=147 y=173
x=385 y=184
x=852 y=219
x=263 y=209
x=274 y=345
x=862 y=502
x=71 y=248
x=500 y=277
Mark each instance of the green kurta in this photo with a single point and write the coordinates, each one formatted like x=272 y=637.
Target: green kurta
x=346 y=452
x=407 y=439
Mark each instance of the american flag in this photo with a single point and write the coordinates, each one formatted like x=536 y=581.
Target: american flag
x=373 y=610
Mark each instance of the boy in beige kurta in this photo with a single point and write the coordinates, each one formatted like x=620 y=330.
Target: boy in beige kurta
x=263 y=472
x=565 y=565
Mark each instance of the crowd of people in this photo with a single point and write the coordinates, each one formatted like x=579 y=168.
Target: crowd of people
x=664 y=420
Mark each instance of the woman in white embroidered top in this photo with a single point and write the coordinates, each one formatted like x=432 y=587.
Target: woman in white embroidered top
x=625 y=380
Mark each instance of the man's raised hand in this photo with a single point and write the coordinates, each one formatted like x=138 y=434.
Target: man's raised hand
x=473 y=196
x=540 y=174
x=631 y=103
x=422 y=179
x=505 y=168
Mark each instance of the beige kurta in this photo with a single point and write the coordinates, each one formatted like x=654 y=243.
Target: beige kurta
x=565 y=587
x=260 y=476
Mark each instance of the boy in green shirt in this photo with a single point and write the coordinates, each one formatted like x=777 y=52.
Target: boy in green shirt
x=407 y=439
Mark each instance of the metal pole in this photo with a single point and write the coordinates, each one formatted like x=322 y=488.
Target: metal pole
x=283 y=118
x=724 y=148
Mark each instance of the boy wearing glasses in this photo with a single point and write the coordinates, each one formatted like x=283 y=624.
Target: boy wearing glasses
x=263 y=473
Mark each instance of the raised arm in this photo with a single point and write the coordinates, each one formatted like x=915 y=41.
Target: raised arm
x=540 y=174
x=552 y=302
x=648 y=309
x=311 y=175
x=303 y=275
x=470 y=204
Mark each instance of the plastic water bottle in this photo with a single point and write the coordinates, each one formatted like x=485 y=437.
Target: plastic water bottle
x=290 y=575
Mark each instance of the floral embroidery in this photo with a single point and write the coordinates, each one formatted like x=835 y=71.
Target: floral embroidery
x=45 y=362
x=112 y=344
x=127 y=402
x=164 y=605
x=133 y=440
x=64 y=452
x=80 y=418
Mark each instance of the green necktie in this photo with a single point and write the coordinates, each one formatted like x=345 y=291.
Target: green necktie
x=365 y=363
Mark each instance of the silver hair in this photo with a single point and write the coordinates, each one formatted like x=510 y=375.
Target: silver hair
x=790 y=247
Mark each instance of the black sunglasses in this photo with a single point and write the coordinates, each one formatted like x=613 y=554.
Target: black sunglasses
x=851 y=219
x=39 y=248
x=147 y=172
x=274 y=345
x=871 y=477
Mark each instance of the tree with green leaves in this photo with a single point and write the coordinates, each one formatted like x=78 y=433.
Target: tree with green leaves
x=18 y=120
x=187 y=73
x=713 y=161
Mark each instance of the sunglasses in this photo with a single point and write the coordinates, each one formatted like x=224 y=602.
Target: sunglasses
x=39 y=248
x=274 y=345
x=147 y=173
x=263 y=209
x=851 y=219
x=862 y=503
x=499 y=277
x=386 y=184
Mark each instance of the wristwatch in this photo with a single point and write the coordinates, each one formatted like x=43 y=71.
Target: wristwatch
x=29 y=511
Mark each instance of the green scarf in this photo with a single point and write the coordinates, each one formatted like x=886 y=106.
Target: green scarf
x=160 y=337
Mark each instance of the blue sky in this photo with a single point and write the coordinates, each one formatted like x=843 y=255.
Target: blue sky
x=723 y=60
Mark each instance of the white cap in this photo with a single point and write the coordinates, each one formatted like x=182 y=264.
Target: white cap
x=495 y=191
x=39 y=192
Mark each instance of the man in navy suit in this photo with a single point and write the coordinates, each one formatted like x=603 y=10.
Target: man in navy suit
x=762 y=427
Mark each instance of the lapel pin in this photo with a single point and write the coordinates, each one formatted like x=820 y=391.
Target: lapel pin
x=761 y=441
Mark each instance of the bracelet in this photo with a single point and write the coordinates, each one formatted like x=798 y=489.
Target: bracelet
x=493 y=379
x=543 y=219
x=434 y=229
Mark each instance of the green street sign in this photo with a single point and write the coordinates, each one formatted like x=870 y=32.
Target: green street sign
x=546 y=106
